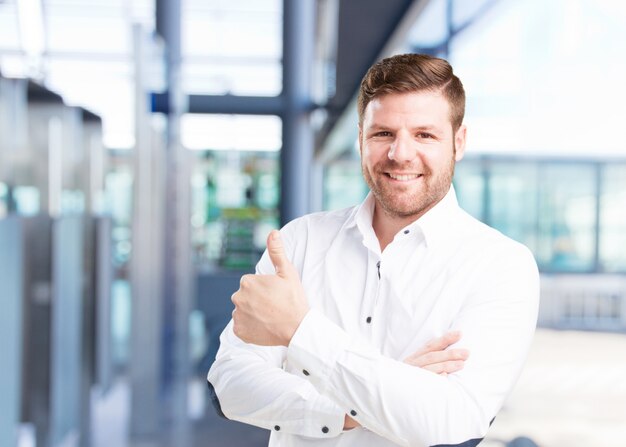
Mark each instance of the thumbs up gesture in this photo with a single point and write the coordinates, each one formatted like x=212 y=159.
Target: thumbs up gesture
x=269 y=308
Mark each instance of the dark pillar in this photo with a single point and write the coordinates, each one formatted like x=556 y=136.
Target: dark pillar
x=177 y=267
x=297 y=150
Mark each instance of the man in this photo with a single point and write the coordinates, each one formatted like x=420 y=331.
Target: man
x=326 y=346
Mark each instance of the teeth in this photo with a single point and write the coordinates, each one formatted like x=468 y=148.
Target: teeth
x=404 y=177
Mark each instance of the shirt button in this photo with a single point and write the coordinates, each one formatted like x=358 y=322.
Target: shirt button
x=352 y=413
x=406 y=231
x=305 y=372
x=324 y=429
x=276 y=427
x=368 y=320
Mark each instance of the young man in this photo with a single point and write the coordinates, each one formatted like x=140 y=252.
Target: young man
x=324 y=346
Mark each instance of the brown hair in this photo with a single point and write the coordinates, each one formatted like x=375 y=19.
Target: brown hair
x=406 y=73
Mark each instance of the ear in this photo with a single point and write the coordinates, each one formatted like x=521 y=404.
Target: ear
x=459 y=142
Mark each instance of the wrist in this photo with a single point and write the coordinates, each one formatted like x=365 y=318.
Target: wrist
x=349 y=423
x=293 y=327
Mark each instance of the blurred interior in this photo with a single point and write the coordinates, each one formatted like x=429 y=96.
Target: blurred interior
x=147 y=148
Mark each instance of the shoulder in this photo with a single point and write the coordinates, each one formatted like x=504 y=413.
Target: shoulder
x=493 y=247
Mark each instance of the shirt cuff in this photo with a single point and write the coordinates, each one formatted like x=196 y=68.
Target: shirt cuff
x=315 y=347
x=324 y=419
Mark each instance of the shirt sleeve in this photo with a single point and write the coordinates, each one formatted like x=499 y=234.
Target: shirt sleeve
x=412 y=406
x=253 y=387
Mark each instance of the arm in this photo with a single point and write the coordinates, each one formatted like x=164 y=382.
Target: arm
x=410 y=406
x=253 y=388
x=434 y=357
x=265 y=395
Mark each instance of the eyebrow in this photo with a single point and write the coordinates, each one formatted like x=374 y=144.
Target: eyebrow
x=425 y=127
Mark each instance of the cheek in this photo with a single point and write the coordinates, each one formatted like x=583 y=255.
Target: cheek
x=370 y=156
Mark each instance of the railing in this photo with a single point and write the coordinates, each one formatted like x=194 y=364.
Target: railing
x=583 y=302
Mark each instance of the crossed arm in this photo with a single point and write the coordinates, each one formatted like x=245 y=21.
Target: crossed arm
x=267 y=396
x=400 y=401
x=435 y=356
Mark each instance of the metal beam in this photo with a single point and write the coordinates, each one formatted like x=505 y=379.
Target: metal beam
x=228 y=104
x=297 y=150
x=177 y=269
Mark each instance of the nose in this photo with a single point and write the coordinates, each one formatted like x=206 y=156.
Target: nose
x=402 y=149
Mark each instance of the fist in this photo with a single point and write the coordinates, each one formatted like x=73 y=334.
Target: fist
x=269 y=308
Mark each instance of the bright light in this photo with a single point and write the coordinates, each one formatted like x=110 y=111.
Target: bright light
x=231 y=132
x=30 y=16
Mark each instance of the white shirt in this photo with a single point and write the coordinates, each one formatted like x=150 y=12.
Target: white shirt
x=369 y=311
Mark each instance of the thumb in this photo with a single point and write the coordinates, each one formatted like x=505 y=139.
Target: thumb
x=275 y=249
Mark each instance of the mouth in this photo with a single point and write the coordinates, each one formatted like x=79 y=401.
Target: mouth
x=403 y=177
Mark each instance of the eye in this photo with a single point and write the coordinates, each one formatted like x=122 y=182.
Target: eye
x=425 y=135
x=382 y=133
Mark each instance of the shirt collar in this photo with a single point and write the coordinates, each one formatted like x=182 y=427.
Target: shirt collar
x=435 y=224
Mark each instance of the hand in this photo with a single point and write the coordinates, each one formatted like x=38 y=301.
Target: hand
x=435 y=356
x=269 y=308
x=349 y=423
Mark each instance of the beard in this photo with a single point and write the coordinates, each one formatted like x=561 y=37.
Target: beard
x=411 y=200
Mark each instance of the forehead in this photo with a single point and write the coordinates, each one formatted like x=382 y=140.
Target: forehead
x=417 y=108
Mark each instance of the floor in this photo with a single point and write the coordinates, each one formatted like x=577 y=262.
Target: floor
x=572 y=393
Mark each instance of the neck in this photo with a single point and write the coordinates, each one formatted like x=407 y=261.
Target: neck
x=386 y=226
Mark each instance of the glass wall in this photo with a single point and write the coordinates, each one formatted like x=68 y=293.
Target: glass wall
x=343 y=185
x=566 y=217
x=569 y=213
x=218 y=57
x=612 y=234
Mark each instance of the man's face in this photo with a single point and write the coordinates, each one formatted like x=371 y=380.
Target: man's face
x=408 y=151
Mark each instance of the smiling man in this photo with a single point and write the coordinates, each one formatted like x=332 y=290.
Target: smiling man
x=358 y=327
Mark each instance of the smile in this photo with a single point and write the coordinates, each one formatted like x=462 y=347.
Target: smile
x=403 y=177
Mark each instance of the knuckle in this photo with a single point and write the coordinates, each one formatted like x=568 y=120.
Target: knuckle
x=459 y=355
x=245 y=281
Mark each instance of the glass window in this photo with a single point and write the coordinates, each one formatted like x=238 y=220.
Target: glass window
x=232 y=47
x=9 y=31
x=512 y=200
x=567 y=217
x=469 y=185
x=528 y=89
x=344 y=185
x=613 y=219
x=231 y=132
x=4 y=200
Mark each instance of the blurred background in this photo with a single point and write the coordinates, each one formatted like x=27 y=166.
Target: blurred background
x=147 y=147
